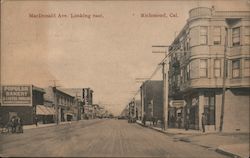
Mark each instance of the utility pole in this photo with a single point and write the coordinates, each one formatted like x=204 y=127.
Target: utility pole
x=78 y=107
x=55 y=101
x=165 y=69
x=165 y=87
x=223 y=84
x=165 y=95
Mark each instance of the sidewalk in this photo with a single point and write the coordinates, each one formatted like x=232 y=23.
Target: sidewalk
x=25 y=127
x=231 y=144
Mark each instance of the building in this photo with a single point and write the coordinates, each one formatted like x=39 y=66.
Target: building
x=87 y=96
x=152 y=99
x=85 y=100
x=65 y=105
x=132 y=111
x=21 y=101
x=138 y=111
x=209 y=53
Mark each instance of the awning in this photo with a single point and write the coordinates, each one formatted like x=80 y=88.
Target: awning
x=43 y=110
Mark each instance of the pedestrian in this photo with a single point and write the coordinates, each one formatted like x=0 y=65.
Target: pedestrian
x=36 y=121
x=144 y=120
x=203 y=122
x=21 y=124
x=172 y=121
x=12 y=125
x=15 y=124
x=179 y=121
x=187 y=123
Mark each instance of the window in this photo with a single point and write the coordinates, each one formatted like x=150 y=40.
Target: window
x=188 y=72
x=217 y=68
x=182 y=78
x=209 y=108
x=247 y=35
x=247 y=67
x=178 y=80
x=203 y=68
x=236 y=68
x=194 y=69
x=203 y=35
x=217 y=35
x=236 y=36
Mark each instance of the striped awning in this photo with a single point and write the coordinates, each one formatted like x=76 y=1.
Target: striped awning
x=44 y=110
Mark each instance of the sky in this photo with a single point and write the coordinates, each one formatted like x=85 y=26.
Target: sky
x=106 y=53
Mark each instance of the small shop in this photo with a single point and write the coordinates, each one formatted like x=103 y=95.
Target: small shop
x=192 y=112
x=20 y=101
x=69 y=116
x=176 y=114
x=45 y=114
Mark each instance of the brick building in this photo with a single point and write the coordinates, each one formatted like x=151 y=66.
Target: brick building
x=64 y=103
x=209 y=40
x=21 y=101
x=152 y=99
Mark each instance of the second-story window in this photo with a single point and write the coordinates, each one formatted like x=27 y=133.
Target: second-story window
x=203 y=68
x=236 y=68
x=217 y=68
x=247 y=35
x=203 y=35
x=217 y=36
x=236 y=36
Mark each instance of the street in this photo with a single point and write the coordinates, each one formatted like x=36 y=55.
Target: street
x=98 y=138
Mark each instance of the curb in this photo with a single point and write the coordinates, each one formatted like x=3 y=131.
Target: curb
x=187 y=140
x=158 y=130
x=51 y=125
x=2 y=155
x=218 y=150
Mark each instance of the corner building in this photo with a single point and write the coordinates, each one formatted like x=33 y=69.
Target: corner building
x=209 y=40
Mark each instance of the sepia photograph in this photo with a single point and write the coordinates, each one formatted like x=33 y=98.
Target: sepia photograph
x=125 y=78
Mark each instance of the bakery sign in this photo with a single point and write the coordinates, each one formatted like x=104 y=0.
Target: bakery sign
x=16 y=95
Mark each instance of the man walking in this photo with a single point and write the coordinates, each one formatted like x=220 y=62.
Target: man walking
x=203 y=122
x=187 y=123
x=36 y=121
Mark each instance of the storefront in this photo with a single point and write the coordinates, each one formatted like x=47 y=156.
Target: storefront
x=176 y=114
x=21 y=101
x=200 y=102
x=45 y=114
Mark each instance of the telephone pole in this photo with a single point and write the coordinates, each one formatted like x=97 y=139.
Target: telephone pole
x=165 y=86
x=55 y=101
x=165 y=95
x=223 y=84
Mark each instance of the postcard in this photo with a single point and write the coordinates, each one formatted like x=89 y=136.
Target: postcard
x=124 y=78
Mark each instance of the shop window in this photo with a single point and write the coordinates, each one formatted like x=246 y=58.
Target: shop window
x=247 y=67
x=203 y=35
x=203 y=68
x=209 y=108
x=236 y=36
x=217 y=68
x=247 y=35
x=236 y=68
x=217 y=35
